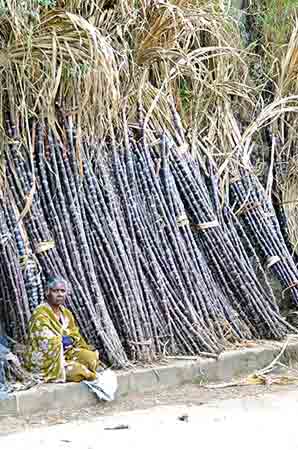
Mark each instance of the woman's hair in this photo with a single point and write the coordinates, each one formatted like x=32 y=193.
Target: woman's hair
x=54 y=280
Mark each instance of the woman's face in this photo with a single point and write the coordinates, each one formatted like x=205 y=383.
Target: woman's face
x=57 y=294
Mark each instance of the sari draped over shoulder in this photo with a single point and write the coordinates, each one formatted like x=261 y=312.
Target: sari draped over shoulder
x=45 y=356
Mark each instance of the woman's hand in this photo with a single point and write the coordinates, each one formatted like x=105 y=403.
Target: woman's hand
x=67 y=342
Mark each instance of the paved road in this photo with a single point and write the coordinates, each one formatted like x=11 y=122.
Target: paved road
x=269 y=421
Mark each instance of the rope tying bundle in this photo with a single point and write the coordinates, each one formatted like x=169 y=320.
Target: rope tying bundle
x=206 y=225
x=271 y=260
x=182 y=221
x=44 y=246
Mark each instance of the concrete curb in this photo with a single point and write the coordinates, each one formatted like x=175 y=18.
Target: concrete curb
x=231 y=364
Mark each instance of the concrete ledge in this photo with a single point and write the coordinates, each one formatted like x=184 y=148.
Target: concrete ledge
x=231 y=364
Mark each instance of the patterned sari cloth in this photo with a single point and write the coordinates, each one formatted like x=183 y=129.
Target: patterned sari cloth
x=45 y=355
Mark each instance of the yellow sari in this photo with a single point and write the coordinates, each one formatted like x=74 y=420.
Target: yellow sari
x=45 y=356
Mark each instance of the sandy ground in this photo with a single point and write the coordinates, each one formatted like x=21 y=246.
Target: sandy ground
x=248 y=417
x=186 y=396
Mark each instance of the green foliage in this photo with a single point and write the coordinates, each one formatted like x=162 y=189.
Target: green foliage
x=275 y=19
x=185 y=94
x=48 y=3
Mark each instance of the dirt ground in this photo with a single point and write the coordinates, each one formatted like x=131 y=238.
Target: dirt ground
x=188 y=395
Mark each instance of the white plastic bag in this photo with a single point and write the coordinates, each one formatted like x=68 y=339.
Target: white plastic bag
x=105 y=386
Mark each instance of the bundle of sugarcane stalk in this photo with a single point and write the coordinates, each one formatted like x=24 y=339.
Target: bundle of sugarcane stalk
x=154 y=267
x=260 y=220
x=14 y=302
x=101 y=188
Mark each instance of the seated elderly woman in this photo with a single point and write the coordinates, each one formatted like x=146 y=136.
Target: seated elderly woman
x=56 y=351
